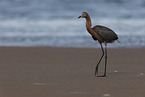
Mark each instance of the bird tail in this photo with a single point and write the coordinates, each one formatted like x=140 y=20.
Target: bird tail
x=118 y=41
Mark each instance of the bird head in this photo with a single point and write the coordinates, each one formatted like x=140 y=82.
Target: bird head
x=83 y=15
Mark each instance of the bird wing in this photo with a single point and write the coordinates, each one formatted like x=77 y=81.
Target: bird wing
x=106 y=33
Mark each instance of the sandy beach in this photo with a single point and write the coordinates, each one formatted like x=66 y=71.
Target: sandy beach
x=69 y=72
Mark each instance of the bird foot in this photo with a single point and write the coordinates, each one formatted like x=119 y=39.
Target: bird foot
x=101 y=76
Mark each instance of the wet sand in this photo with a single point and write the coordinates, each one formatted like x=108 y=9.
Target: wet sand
x=69 y=72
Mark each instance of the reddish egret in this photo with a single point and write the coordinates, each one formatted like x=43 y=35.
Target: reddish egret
x=103 y=35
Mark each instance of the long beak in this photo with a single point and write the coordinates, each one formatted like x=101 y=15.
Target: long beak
x=79 y=17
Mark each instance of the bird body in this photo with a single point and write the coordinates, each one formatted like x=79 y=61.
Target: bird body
x=107 y=34
x=102 y=34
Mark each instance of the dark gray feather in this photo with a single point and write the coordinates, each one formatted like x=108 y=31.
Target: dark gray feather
x=106 y=33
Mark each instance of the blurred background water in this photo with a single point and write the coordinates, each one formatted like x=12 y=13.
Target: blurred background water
x=55 y=22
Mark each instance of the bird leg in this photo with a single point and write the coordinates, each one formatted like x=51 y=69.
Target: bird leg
x=105 y=59
x=97 y=66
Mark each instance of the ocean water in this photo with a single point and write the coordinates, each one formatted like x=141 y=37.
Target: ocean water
x=55 y=22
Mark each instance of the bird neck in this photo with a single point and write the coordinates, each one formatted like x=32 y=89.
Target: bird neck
x=90 y=30
x=88 y=22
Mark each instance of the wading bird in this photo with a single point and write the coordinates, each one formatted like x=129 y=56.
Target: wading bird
x=103 y=35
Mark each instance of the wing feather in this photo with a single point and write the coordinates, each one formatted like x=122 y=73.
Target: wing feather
x=106 y=33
